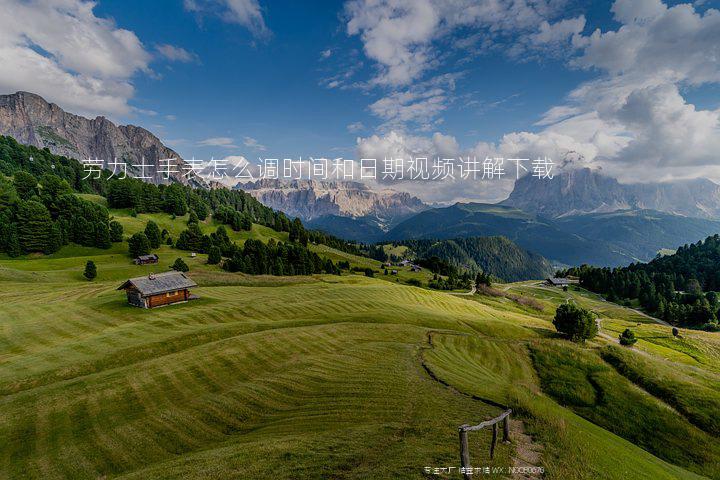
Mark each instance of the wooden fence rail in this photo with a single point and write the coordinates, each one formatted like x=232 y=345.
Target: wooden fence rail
x=464 y=429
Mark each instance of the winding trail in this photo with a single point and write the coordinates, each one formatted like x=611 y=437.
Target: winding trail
x=526 y=456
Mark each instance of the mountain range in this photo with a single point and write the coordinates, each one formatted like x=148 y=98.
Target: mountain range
x=583 y=190
x=580 y=216
x=33 y=121
x=348 y=209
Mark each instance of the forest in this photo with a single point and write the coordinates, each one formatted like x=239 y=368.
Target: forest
x=680 y=289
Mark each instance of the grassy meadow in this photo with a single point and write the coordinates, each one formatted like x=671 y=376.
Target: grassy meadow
x=342 y=377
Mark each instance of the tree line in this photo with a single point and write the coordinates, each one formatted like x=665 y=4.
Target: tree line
x=680 y=288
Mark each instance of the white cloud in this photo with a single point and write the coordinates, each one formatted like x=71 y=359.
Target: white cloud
x=325 y=54
x=242 y=12
x=355 y=127
x=170 y=117
x=176 y=54
x=60 y=50
x=225 y=142
x=253 y=143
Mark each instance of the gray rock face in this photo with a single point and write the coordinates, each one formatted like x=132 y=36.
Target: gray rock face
x=582 y=191
x=311 y=199
x=33 y=121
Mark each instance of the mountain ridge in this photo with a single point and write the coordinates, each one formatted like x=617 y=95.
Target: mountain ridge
x=31 y=120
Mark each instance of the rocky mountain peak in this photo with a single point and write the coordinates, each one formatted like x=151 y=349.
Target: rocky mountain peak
x=33 y=121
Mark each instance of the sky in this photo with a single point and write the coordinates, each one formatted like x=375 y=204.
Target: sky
x=631 y=87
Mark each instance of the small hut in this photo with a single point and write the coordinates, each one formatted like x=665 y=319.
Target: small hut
x=159 y=289
x=146 y=259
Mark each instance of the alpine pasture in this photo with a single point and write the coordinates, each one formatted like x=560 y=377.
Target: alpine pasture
x=329 y=377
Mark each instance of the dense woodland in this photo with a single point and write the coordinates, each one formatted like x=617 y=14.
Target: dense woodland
x=680 y=288
x=39 y=212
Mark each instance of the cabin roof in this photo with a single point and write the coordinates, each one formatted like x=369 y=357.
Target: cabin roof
x=152 y=256
x=559 y=281
x=159 y=283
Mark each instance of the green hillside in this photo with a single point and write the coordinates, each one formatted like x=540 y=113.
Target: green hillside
x=496 y=256
x=540 y=236
x=640 y=234
x=326 y=375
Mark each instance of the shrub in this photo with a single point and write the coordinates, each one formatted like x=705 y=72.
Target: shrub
x=627 y=338
x=575 y=322
x=180 y=266
x=414 y=282
x=90 y=270
x=369 y=272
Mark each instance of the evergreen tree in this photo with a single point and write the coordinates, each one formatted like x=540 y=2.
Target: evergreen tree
x=214 y=255
x=627 y=338
x=138 y=245
x=25 y=184
x=180 y=266
x=152 y=232
x=575 y=322
x=116 y=231
x=90 y=270
x=35 y=232
x=193 y=217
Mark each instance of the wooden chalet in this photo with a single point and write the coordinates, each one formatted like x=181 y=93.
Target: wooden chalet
x=158 y=289
x=146 y=259
x=557 y=282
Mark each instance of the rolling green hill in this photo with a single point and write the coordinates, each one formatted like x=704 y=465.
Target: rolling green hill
x=322 y=375
x=497 y=256
x=640 y=234
x=528 y=231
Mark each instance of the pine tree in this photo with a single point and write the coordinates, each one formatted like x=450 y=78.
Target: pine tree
x=214 y=255
x=180 y=266
x=152 y=232
x=116 y=231
x=90 y=270
x=138 y=245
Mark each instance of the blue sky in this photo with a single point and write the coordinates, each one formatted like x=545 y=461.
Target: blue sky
x=623 y=85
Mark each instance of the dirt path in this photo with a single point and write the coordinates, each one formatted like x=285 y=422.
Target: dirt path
x=526 y=457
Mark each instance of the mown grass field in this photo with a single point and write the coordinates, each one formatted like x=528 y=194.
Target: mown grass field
x=329 y=377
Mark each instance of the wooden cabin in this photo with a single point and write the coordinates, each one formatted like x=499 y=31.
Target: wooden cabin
x=146 y=259
x=557 y=282
x=158 y=289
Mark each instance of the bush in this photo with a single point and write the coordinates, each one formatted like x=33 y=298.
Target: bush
x=180 y=266
x=414 y=282
x=369 y=272
x=575 y=322
x=138 y=245
x=627 y=338
x=90 y=270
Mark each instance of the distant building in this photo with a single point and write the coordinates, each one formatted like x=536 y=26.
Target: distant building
x=415 y=268
x=159 y=289
x=146 y=259
x=558 y=282
x=405 y=263
x=394 y=272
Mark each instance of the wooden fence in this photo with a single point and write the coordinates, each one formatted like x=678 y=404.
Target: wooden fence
x=464 y=429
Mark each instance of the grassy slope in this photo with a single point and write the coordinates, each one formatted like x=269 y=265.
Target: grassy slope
x=301 y=377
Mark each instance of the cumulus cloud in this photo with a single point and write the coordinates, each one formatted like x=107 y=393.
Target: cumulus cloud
x=59 y=49
x=242 y=12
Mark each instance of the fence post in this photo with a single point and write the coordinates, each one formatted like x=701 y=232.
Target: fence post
x=464 y=451
x=494 y=440
x=506 y=429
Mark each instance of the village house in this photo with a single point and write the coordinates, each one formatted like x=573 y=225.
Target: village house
x=158 y=289
x=146 y=259
x=557 y=282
